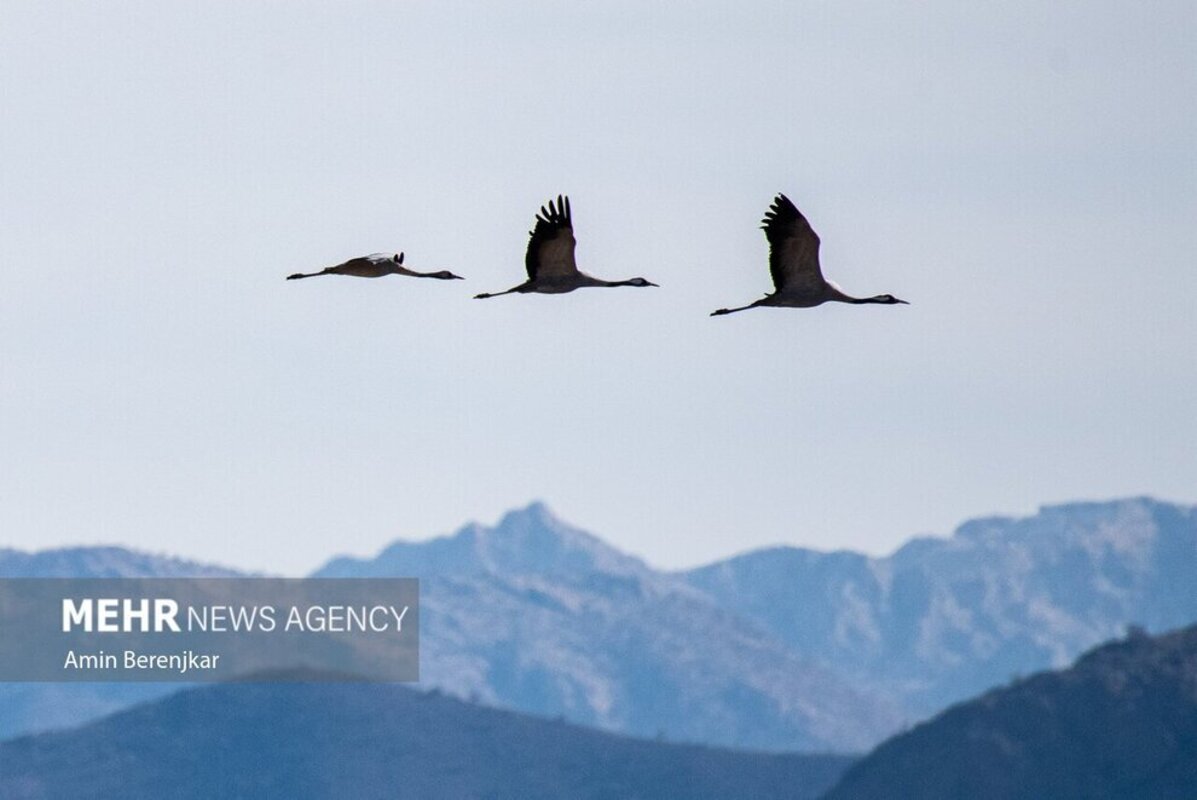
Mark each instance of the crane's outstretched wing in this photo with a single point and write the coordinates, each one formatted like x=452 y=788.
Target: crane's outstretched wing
x=551 y=248
x=793 y=249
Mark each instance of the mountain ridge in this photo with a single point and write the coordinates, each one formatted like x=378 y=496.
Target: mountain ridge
x=533 y=530
x=941 y=619
x=105 y=561
x=539 y=615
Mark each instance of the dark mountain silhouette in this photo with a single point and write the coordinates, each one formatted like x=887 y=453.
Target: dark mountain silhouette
x=943 y=619
x=354 y=741
x=1119 y=725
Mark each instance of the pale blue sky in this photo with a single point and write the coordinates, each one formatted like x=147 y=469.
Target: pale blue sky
x=1023 y=173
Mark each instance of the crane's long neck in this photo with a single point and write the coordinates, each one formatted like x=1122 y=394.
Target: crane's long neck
x=590 y=280
x=441 y=274
x=882 y=299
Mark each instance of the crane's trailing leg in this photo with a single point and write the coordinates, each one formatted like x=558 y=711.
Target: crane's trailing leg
x=723 y=311
x=486 y=295
x=299 y=275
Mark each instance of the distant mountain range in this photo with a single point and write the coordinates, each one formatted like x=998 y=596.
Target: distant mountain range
x=1119 y=725
x=309 y=742
x=542 y=617
x=943 y=619
x=777 y=649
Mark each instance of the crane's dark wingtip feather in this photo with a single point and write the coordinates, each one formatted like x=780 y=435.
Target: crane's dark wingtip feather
x=782 y=207
x=783 y=215
x=555 y=214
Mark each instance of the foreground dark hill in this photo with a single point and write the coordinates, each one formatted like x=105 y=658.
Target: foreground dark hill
x=354 y=741
x=944 y=619
x=1120 y=724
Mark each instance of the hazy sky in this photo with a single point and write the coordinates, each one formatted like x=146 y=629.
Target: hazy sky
x=1023 y=173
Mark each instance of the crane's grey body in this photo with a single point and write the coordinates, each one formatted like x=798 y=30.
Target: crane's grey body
x=375 y=265
x=794 y=265
x=550 y=257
